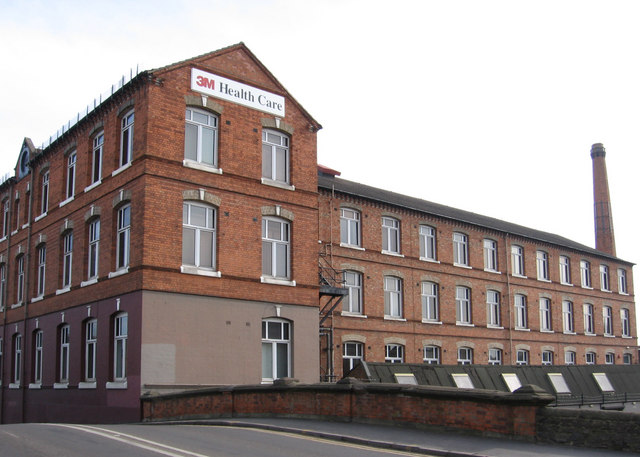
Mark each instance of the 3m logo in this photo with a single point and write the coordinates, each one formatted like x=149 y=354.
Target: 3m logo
x=205 y=82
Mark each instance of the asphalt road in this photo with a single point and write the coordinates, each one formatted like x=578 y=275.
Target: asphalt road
x=67 y=440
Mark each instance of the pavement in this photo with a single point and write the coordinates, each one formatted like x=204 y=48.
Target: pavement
x=426 y=442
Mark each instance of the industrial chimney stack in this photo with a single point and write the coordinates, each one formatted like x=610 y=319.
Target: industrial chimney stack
x=605 y=239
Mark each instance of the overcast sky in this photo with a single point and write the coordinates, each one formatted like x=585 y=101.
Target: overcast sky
x=487 y=106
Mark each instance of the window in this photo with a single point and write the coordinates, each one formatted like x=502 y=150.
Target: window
x=44 y=201
x=198 y=235
x=609 y=358
x=430 y=302
x=126 y=137
x=37 y=357
x=20 y=282
x=520 y=303
x=96 y=156
x=607 y=316
x=90 y=349
x=588 y=319
x=604 y=278
x=3 y=285
x=465 y=356
x=349 y=227
x=490 y=255
x=547 y=357
x=567 y=317
x=42 y=264
x=390 y=235
x=120 y=334
x=67 y=259
x=522 y=357
x=64 y=354
x=1 y=361
x=276 y=344
x=565 y=270
x=493 y=308
x=431 y=355
x=460 y=249
x=517 y=260
x=542 y=263
x=353 y=282
x=463 y=305
x=625 y=322
x=546 y=324
x=627 y=359
x=16 y=214
x=275 y=156
x=352 y=355
x=17 y=358
x=394 y=353
x=201 y=137
x=427 y=243
x=275 y=248
x=585 y=274
x=71 y=175
x=94 y=248
x=622 y=281
x=124 y=237
x=569 y=358
x=590 y=358
x=5 y=218
x=495 y=356
x=392 y=297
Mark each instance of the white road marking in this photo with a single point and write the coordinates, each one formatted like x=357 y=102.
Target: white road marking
x=131 y=440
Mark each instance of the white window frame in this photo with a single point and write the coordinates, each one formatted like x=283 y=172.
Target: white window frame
x=64 y=349
x=547 y=357
x=353 y=301
x=42 y=267
x=430 y=302
x=93 y=251
x=607 y=320
x=394 y=353
x=390 y=235
x=605 y=284
x=609 y=358
x=428 y=244
x=17 y=359
x=431 y=354
x=20 y=279
x=522 y=357
x=590 y=358
x=3 y=285
x=520 y=305
x=211 y=124
x=625 y=321
x=350 y=233
x=270 y=150
x=622 y=281
x=465 y=355
x=67 y=259
x=120 y=337
x=199 y=231
x=463 y=306
x=90 y=350
x=352 y=354
x=96 y=158
x=589 y=323
x=126 y=138
x=392 y=297
x=493 y=308
x=627 y=359
x=517 y=260
x=460 y=249
x=71 y=175
x=585 y=274
x=494 y=356
x=44 y=197
x=565 y=269
x=546 y=317
x=569 y=357
x=123 y=237
x=272 y=248
x=271 y=342
x=542 y=265
x=568 y=325
x=37 y=357
x=490 y=250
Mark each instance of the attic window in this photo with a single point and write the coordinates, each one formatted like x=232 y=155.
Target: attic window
x=603 y=382
x=512 y=381
x=559 y=384
x=462 y=381
x=406 y=378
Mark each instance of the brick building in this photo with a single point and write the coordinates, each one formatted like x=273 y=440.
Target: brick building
x=168 y=239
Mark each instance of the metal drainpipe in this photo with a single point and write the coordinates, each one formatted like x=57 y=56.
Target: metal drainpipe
x=509 y=325
x=330 y=355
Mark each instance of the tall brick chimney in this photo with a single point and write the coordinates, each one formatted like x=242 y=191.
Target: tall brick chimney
x=605 y=239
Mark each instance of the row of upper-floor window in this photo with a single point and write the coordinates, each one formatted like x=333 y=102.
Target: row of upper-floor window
x=353 y=304
x=87 y=355
x=199 y=251
x=353 y=352
x=350 y=236
x=200 y=151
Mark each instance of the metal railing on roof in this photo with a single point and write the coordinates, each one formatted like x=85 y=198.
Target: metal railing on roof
x=603 y=399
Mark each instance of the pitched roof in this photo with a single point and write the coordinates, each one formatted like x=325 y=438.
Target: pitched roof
x=329 y=182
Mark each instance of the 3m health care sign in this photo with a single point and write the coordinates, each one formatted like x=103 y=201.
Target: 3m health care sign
x=233 y=91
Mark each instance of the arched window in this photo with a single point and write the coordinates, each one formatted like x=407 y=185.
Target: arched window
x=394 y=353
x=352 y=355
